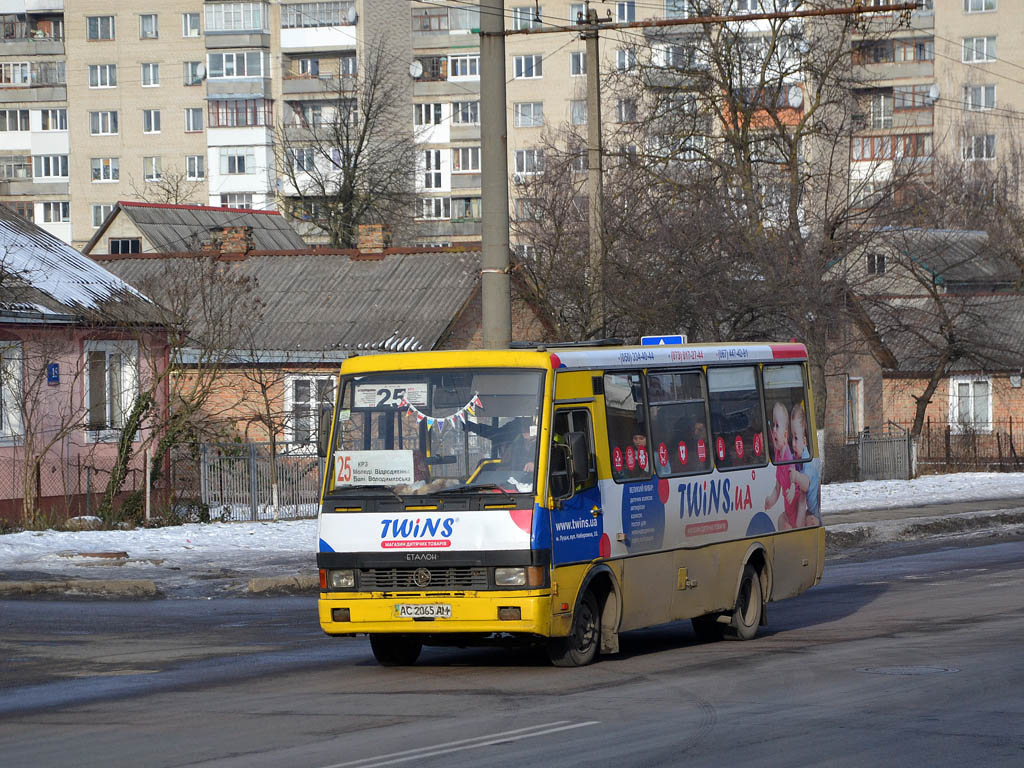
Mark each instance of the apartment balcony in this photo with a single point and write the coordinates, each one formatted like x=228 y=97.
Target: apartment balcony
x=887 y=71
x=464 y=181
x=444 y=228
x=21 y=186
x=320 y=85
x=310 y=39
x=464 y=132
x=35 y=94
x=245 y=39
x=31 y=46
x=226 y=88
x=43 y=6
x=432 y=40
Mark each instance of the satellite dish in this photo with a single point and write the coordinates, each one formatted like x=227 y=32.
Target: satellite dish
x=201 y=71
x=416 y=69
x=933 y=93
x=351 y=15
x=795 y=97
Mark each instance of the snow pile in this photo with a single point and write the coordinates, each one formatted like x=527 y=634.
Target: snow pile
x=929 y=489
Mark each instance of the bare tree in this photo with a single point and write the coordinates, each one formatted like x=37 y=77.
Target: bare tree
x=173 y=186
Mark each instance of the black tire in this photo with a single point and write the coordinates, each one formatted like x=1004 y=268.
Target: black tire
x=746 y=616
x=395 y=650
x=708 y=628
x=580 y=647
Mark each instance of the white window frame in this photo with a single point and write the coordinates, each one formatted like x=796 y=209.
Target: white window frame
x=109 y=167
x=578 y=63
x=229 y=155
x=313 y=405
x=240 y=200
x=105 y=75
x=100 y=211
x=301 y=159
x=528 y=67
x=103 y=25
x=433 y=176
x=980 y=6
x=984 y=141
x=236 y=17
x=529 y=161
x=436 y=208
x=21 y=120
x=473 y=111
x=62 y=209
x=152 y=168
x=150 y=77
x=528 y=114
x=57 y=116
x=980 y=98
x=195 y=167
x=117 y=406
x=103 y=123
x=973 y=53
x=230 y=60
x=151 y=121
x=191 y=73
x=880 y=109
x=193 y=119
x=625 y=60
x=149 y=26
x=427 y=113
x=50 y=166
x=625 y=11
x=466 y=159
x=527 y=17
x=954 y=401
x=578 y=111
x=11 y=391
x=464 y=67
x=188 y=29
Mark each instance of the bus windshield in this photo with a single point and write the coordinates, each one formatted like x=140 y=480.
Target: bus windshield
x=438 y=431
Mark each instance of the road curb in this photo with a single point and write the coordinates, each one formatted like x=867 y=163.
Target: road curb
x=127 y=589
x=291 y=584
x=844 y=536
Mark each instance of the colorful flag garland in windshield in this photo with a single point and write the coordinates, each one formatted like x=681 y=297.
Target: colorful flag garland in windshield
x=432 y=421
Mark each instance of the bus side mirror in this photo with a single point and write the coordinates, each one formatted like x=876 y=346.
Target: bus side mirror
x=579 y=457
x=559 y=481
x=323 y=435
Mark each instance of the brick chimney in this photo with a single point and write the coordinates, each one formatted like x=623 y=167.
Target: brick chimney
x=371 y=238
x=229 y=242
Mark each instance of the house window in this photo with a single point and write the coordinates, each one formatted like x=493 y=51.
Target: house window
x=980 y=147
x=124 y=245
x=979 y=6
x=970 y=403
x=529 y=114
x=13 y=119
x=309 y=396
x=50 y=166
x=102 y=75
x=466 y=160
x=57 y=212
x=526 y=67
x=437 y=208
x=529 y=160
x=426 y=114
x=100 y=213
x=466 y=112
x=195 y=167
x=99 y=27
x=54 y=119
x=876 y=263
x=105 y=169
x=578 y=63
x=236 y=64
x=526 y=17
x=151 y=121
x=190 y=25
x=193 y=119
x=881 y=110
x=10 y=389
x=236 y=200
x=432 y=169
x=235 y=17
x=464 y=67
x=151 y=169
x=854 y=406
x=150 y=75
x=237 y=160
x=148 y=29
x=111 y=385
x=625 y=11
x=979 y=97
x=103 y=123
x=578 y=111
x=979 y=49
x=192 y=76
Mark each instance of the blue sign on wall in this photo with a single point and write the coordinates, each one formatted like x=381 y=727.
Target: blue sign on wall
x=53 y=374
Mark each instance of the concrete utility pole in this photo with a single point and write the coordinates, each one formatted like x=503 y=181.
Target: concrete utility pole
x=494 y=272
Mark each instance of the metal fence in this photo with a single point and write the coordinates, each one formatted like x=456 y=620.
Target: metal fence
x=885 y=456
x=996 y=447
x=234 y=481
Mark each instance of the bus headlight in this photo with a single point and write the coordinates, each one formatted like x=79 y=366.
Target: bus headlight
x=510 y=577
x=341 y=579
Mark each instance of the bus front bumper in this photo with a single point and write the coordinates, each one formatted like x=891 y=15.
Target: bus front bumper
x=471 y=613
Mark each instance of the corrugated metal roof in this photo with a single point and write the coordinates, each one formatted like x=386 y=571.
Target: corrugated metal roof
x=330 y=301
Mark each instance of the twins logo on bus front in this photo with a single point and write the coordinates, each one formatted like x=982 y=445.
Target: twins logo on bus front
x=407 y=533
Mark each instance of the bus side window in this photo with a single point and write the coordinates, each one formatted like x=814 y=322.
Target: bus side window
x=627 y=430
x=785 y=403
x=679 y=430
x=737 y=423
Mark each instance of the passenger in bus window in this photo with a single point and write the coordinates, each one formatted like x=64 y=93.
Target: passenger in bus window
x=785 y=484
x=806 y=474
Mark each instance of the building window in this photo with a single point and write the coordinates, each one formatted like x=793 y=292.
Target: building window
x=881 y=110
x=24 y=208
x=970 y=403
x=236 y=17
x=151 y=169
x=463 y=19
x=526 y=17
x=426 y=114
x=57 y=211
x=237 y=113
x=111 y=385
x=467 y=208
x=151 y=121
x=625 y=59
x=237 y=160
x=915 y=50
x=99 y=27
x=106 y=169
x=300 y=159
x=100 y=213
x=309 y=67
x=15 y=73
x=150 y=75
x=54 y=119
x=193 y=119
x=13 y=119
x=50 y=166
x=103 y=75
x=854 y=406
x=432 y=176
x=979 y=97
x=103 y=123
x=979 y=49
x=980 y=147
x=979 y=6
x=466 y=160
x=578 y=63
x=625 y=110
x=578 y=112
x=429 y=19
x=529 y=160
x=529 y=114
x=527 y=67
x=119 y=245
x=236 y=200
x=308 y=397
x=322 y=14
x=236 y=64
x=876 y=263
x=349 y=65
x=464 y=67
x=148 y=29
x=436 y=207
x=195 y=167
x=625 y=11
x=466 y=112
x=190 y=25
x=10 y=389
x=192 y=76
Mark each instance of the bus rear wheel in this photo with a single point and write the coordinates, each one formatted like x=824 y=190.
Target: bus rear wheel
x=580 y=647
x=746 y=616
x=395 y=650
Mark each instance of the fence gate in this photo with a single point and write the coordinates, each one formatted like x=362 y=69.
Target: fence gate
x=886 y=457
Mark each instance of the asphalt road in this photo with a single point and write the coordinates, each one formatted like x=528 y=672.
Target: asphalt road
x=909 y=660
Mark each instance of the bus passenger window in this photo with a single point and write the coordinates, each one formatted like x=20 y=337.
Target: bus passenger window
x=679 y=431
x=737 y=424
x=786 y=407
x=627 y=432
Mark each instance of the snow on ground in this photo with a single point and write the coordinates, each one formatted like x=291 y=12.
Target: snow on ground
x=238 y=546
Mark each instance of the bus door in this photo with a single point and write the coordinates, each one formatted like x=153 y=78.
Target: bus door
x=577 y=524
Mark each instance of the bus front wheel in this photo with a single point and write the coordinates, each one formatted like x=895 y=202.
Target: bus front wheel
x=746 y=616
x=580 y=647
x=395 y=650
